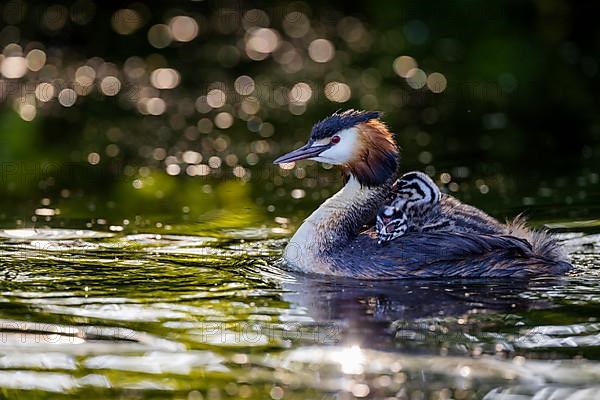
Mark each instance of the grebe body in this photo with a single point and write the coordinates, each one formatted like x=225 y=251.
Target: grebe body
x=448 y=239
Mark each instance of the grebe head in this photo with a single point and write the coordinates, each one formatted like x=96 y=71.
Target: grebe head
x=355 y=140
x=391 y=223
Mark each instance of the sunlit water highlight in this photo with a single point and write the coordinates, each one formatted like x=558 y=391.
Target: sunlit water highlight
x=112 y=314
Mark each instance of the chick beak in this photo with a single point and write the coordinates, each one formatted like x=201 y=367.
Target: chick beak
x=304 y=152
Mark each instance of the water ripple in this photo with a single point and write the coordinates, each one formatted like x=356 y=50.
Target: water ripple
x=86 y=311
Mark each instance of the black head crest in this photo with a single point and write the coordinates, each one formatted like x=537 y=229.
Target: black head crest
x=341 y=120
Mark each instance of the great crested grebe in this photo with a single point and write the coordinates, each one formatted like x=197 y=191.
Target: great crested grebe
x=415 y=203
x=332 y=240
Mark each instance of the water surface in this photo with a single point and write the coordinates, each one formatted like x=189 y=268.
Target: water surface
x=169 y=314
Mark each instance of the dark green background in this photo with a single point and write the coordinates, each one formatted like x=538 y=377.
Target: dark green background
x=543 y=158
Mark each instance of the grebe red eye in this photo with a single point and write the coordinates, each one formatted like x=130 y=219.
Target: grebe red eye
x=335 y=139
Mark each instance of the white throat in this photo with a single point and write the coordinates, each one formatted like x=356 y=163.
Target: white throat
x=324 y=230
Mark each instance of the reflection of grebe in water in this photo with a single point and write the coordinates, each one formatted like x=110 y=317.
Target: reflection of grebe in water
x=362 y=311
x=448 y=239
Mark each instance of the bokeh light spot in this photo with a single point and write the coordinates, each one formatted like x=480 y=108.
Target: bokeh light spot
x=164 y=78
x=416 y=78
x=214 y=162
x=45 y=92
x=403 y=65
x=261 y=42
x=183 y=28
x=126 y=21
x=173 y=169
x=338 y=92
x=244 y=85
x=300 y=93
x=223 y=120
x=216 y=98
x=14 y=67
x=36 y=59
x=159 y=36
x=27 y=112
x=93 y=158
x=436 y=82
x=110 y=85
x=156 y=106
x=85 y=75
x=67 y=97
x=321 y=50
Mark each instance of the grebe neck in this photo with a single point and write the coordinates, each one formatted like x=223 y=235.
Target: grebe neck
x=335 y=223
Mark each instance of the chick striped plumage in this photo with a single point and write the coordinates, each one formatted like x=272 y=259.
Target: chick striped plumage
x=416 y=204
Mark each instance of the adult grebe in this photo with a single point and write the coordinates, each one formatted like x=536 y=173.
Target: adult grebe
x=330 y=240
